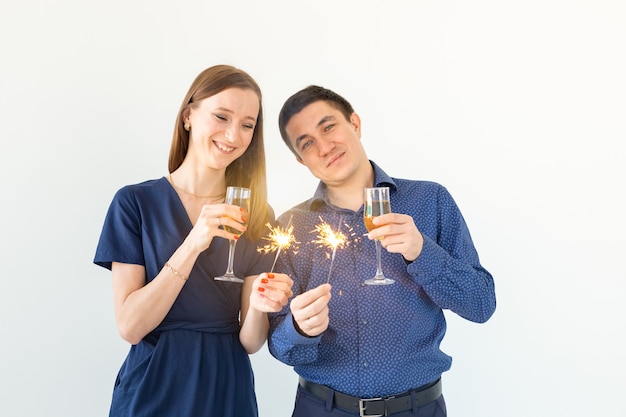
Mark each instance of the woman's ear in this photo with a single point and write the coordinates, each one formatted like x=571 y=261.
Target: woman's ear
x=185 y=115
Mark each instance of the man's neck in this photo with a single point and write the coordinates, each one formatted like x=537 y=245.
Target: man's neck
x=350 y=195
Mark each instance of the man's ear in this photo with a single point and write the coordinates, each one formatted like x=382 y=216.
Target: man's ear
x=355 y=121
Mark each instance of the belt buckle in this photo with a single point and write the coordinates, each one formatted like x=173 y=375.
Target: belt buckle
x=363 y=407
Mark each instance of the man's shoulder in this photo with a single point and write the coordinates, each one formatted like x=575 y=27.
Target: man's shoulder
x=302 y=207
x=423 y=184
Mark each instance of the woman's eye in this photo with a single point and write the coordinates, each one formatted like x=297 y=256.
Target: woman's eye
x=220 y=117
x=248 y=126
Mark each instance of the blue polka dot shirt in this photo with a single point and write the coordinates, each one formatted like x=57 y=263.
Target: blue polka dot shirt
x=382 y=339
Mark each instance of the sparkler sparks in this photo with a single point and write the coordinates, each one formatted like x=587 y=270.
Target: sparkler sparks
x=327 y=237
x=279 y=239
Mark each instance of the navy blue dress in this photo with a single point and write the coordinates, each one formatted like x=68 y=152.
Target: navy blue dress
x=192 y=364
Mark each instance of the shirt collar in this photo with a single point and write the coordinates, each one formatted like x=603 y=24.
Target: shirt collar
x=320 y=198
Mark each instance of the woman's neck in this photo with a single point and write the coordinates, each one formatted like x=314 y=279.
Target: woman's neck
x=198 y=185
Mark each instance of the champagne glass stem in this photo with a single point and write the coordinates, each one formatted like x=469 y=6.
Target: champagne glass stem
x=231 y=256
x=379 y=269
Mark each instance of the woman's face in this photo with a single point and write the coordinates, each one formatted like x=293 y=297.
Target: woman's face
x=221 y=127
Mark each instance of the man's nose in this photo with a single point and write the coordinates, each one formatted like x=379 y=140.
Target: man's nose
x=325 y=146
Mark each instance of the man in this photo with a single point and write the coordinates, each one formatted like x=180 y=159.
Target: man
x=369 y=349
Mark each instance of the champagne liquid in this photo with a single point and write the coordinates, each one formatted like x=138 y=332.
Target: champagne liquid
x=243 y=203
x=376 y=208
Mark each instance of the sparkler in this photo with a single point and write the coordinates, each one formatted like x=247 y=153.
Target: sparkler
x=327 y=237
x=280 y=239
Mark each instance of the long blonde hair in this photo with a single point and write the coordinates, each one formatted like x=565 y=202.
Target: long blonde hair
x=249 y=169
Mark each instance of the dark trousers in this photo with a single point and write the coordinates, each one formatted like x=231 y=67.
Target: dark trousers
x=308 y=405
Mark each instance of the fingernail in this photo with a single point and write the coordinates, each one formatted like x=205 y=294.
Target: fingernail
x=236 y=237
x=244 y=219
x=264 y=280
x=241 y=209
x=270 y=275
x=261 y=289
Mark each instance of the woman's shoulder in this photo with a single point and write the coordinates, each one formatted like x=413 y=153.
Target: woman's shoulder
x=134 y=194
x=146 y=186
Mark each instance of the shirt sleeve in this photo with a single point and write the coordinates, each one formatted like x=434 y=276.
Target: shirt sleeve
x=449 y=270
x=289 y=346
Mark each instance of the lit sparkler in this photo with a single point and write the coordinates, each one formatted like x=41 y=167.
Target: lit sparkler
x=327 y=237
x=279 y=239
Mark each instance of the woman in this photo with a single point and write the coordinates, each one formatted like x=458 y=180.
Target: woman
x=164 y=242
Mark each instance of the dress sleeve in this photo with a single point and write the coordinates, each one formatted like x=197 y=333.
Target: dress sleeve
x=120 y=239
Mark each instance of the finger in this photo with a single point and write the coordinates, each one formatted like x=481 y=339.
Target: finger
x=265 y=304
x=310 y=296
x=318 y=306
x=278 y=292
x=262 y=303
x=316 y=324
x=379 y=233
x=278 y=277
x=235 y=223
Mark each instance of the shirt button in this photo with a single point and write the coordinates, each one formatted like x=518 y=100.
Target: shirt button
x=364 y=321
x=365 y=364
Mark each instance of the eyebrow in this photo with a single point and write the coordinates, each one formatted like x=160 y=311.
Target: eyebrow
x=322 y=121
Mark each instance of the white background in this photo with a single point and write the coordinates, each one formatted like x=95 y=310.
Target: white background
x=516 y=107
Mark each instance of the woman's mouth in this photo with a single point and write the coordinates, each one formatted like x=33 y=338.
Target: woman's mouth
x=223 y=148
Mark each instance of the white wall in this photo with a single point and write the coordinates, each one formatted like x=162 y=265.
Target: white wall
x=517 y=107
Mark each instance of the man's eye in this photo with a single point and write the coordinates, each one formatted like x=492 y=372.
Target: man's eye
x=306 y=144
x=328 y=127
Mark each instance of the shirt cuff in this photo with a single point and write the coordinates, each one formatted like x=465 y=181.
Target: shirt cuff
x=297 y=338
x=430 y=264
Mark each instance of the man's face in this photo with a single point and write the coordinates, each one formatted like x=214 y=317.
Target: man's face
x=326 y=143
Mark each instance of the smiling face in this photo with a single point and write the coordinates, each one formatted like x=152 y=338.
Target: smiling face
x=221 y=127
x=328 y=144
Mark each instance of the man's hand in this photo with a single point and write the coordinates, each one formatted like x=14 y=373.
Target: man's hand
x=398 y=234
x=310 y=310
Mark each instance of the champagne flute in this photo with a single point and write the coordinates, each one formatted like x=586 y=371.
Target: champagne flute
x=238 y=196
x=376 y=202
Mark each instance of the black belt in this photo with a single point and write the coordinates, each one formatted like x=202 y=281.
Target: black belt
x=375 y=407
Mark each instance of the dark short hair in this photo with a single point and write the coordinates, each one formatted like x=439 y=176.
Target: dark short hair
x=303 y=98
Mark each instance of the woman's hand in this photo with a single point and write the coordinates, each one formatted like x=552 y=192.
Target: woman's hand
x=268 y=292
x=210 y=224
x=271 y=292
